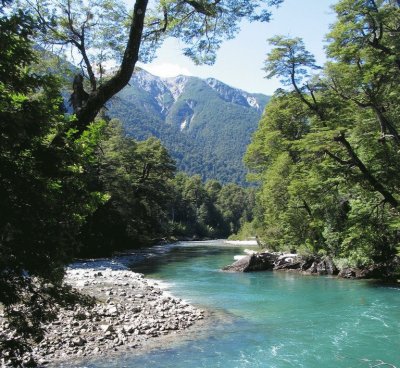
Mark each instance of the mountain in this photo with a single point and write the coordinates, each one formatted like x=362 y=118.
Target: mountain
x=205 y=124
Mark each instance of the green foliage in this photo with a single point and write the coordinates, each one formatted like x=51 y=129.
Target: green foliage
x=289 y=60
x=201 y=25
x=105 y=23
x=134 y=177
x=210 y=209
x=326 y=152
x=247 y=231
x=44 y=197
x=144 y=202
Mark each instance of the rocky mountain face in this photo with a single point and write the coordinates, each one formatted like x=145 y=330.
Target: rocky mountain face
x=205 y=124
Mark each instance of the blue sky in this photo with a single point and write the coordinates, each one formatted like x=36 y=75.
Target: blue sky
x=240 y=61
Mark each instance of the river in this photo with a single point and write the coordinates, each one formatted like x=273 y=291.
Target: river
x=269 y=319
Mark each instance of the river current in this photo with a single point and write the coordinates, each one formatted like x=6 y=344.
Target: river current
x=268 y=319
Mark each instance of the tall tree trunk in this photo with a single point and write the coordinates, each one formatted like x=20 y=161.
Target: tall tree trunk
x=386 y=125
x=87 y=105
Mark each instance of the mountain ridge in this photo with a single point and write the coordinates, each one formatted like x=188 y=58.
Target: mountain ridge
x=204 y=123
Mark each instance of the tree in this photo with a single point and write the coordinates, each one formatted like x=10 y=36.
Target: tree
x=290 y=60
x=209 y=210
x=326 y=151
x=44 y=197
x=202 y=25
x=366 y=25
x=233 y=204
x=275 y=160
x=367 y=52
x=135 y=178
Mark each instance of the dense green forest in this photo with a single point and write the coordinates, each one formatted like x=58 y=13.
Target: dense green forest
x=148 y=202
x=326 y=152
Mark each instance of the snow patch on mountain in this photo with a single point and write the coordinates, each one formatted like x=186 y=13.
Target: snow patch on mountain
x=233 y=95
x=176 y=85
x=252 y=101
x=150 y=83
x=184 y=124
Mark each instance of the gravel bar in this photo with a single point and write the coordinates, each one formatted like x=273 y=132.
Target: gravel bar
x=129 y=311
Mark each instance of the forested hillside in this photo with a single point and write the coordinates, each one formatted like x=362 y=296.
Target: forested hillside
x=326 y=152
x=205 y=124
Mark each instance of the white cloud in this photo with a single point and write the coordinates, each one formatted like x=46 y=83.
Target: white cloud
x=166 y=70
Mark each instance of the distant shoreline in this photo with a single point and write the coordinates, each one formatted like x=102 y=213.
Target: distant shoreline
x=249 y=243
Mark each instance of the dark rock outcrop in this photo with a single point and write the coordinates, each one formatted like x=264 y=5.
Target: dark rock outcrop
x=288 y=262
x=254 y=262
x=308 y=265
x=314 y=265
x=385 y=271
x=265 y=261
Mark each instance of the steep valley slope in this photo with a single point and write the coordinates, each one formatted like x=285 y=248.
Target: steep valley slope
x=205 y=124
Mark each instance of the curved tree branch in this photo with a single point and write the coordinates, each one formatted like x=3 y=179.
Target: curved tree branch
x=368 y=176
x=87 y=110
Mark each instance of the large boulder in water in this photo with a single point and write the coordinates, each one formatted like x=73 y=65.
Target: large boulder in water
x=253 y=262
x=312 y=265
x=318 y=266
x=288 y=262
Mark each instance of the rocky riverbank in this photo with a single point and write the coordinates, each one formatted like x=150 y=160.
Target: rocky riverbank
x=128 y=311
x=310 y=265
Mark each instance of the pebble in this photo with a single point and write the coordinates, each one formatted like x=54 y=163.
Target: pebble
x=128 y=311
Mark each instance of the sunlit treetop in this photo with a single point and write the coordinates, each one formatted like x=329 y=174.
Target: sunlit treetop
x=203 y=25
x=289 y=60
x=365 y=25
x=96 y=32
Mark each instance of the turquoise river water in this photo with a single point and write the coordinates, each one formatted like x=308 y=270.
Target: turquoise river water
x=269 y=319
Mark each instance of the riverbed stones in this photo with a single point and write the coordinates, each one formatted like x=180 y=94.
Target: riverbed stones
x=128 y=311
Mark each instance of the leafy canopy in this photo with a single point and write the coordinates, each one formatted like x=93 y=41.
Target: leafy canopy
x=326 y=151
